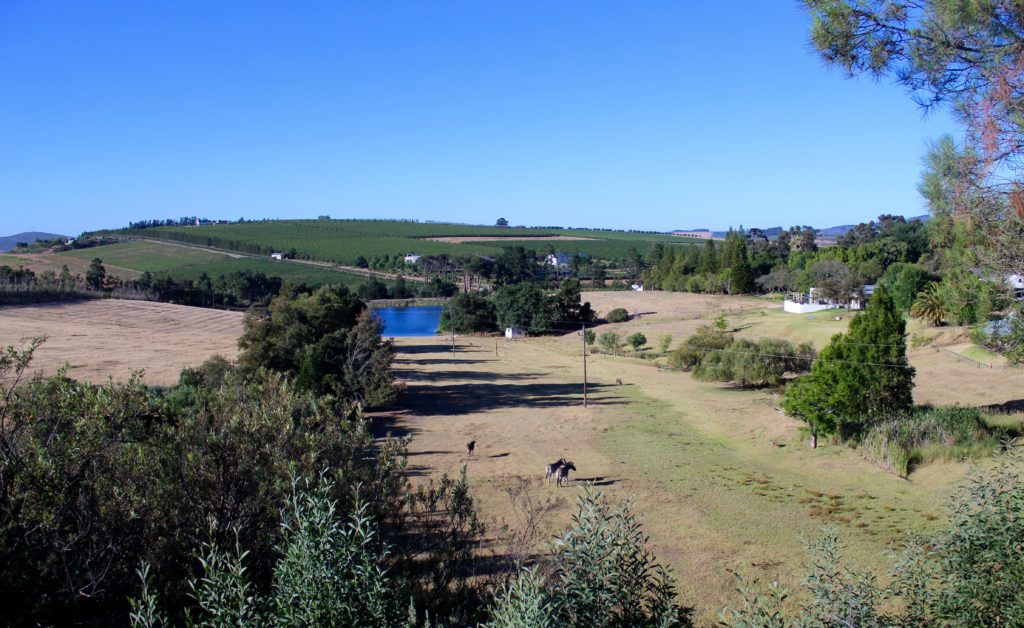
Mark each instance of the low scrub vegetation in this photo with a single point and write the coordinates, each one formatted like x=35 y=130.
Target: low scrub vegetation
x=927 y=435
x=713 y=355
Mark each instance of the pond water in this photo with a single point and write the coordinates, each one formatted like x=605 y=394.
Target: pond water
x=415 y=320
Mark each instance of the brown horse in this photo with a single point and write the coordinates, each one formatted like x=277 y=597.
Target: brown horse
x=471 y=447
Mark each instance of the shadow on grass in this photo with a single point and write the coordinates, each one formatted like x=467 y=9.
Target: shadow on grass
x=1008 y=407
x=433 y=376
x=598 y=480
x=483 y=395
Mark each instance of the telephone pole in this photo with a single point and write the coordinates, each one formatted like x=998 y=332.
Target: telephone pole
x=583 y=334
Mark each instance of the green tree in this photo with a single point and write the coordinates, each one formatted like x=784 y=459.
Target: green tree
x=904 y=282
x=707 y=264
x=609 y=342
x=472 y=313
x=514 y=265
x=523 y=305
x=741 y=276
x=566 y=304
x=930 y=305
x=665 y=343
x=323 y=340
x=589 y=336
x=636 y=340
x=861 y=377
x=96 y=275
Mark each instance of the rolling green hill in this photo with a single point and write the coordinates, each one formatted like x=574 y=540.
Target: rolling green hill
x=342 y=241
x=183 y=262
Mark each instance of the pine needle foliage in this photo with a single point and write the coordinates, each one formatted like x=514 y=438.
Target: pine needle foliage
x=861 y=377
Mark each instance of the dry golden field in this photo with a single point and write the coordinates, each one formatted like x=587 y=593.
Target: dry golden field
x=695 y=458
x=110 y=338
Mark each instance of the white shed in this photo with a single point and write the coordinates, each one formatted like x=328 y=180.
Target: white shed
x=515 y=332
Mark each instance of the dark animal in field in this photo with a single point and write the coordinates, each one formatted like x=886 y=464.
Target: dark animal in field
x=562 y=474
x=551 y=469
x=618 y=381
x=471 y=447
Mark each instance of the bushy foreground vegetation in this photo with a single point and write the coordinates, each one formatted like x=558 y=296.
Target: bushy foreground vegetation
x=968 y=576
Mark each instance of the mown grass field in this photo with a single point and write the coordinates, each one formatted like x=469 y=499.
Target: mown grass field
x=148 y=256
x=342 y=241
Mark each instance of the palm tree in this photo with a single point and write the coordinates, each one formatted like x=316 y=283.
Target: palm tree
x=930 y=306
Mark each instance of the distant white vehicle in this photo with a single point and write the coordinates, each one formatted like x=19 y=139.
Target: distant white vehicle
x=277 y=256
x=412 y=258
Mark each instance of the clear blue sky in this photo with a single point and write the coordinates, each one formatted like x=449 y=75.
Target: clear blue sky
x=654 y=115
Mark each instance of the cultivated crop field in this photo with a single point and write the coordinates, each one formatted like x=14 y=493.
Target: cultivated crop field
x=342 y=241
x=110 y=338
x=695 y=458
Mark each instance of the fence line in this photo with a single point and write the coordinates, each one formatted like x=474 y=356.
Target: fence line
x=963 y=357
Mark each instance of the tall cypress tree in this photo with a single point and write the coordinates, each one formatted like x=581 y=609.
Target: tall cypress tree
x=861 y=377
x=708 y=261
x=741 y=275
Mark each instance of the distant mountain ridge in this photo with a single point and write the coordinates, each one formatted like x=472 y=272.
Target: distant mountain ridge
x=8 y=243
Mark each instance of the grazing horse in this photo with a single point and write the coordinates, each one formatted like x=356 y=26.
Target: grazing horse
x=551 y=469
x=618 y=381
x=562 y=475
x=470 y=447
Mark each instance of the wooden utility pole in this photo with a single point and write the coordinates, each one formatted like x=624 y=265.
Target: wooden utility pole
x=583 y=333
x=451 y=319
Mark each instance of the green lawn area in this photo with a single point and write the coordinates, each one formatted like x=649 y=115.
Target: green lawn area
x=302 y=273
x=148 y=256
x=817 y=328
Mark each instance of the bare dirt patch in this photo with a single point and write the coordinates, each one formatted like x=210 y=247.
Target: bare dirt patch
x=110 y=338
x=462 y=239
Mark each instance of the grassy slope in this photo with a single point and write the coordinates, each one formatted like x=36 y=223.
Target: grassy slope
x=182 y=262
x=148 y=256
x=344 y=240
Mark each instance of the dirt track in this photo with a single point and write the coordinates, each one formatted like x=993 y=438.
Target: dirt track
x=105 y=338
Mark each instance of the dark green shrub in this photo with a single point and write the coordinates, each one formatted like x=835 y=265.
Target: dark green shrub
x=618 y=315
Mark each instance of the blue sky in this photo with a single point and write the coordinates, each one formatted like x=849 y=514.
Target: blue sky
x=653 y=115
